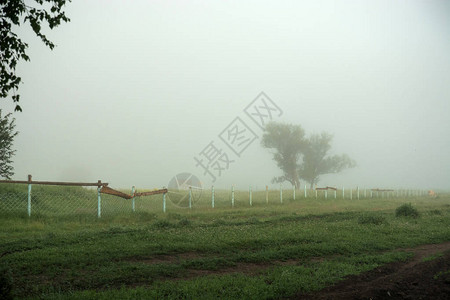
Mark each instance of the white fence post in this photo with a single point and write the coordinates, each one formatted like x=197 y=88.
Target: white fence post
x=250 y=195
x=133 y=207
x=99 y=200
x=29 y=196
x=281 y=193
x=293 y=195
x=164 y=202
x=267 y=194
x=212 y=196
x=232 y=196
x=190 y=197
x=305 y=190
x=343 y=192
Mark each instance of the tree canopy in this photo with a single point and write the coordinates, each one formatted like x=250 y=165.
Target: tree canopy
x=301 y=157
x=7 y=135
x=288 y=141
x=315 y=161
x=13 y=13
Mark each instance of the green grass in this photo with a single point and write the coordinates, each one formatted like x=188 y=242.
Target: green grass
x=445 y=274
x=432 y=257
x=301 y=245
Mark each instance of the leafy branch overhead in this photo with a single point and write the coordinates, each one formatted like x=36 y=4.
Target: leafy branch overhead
x=300 y=157
x=13 y=13
x=7 y=135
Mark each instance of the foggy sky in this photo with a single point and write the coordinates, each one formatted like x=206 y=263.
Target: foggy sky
x=135 y=89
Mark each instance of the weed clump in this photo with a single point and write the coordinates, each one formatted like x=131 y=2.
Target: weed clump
x=406 y=210
x=253 y=220
x=184 y=223
x=435 y=212
x=220 y=222
x=163 y=224
x=371 y=219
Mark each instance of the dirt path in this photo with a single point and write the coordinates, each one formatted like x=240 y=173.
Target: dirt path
x=425 y=276
x=415 y=279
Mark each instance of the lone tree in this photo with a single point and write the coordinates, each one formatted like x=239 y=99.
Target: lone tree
x=7 y=135
x=290 y=144
x=315 y=161
x=288 y=141
x=12 y=14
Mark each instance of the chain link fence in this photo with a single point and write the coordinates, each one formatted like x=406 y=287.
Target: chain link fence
x=18 y=199
x=39 y=199
x=13 y=199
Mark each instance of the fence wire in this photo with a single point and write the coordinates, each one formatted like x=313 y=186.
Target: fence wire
x=46 y=200
x=13 y=199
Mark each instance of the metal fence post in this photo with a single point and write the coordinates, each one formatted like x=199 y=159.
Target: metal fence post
x=305 y=190
x=267 y=194
x=29 y=196
x=232 y=196
x=281 y=193
x=335 y=192
x=343 y=192
x=133 y=189
x=212 y=196
x=190 y=197
x=293 y=195
x=164 y=202
x=250 y=195
x=326 y=194
x=99 y=200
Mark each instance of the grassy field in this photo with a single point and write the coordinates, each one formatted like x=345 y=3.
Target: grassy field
x=260 y=252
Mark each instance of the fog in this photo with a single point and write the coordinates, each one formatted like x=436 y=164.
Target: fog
x=135 y=90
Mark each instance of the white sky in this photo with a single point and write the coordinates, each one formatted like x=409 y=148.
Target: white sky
x=135 y=89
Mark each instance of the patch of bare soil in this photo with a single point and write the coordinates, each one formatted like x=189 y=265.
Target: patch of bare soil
x=415 y=279
x=160 y=259
x=242 y=268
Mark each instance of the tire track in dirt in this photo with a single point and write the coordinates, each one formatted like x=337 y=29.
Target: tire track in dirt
x=414 y=279
x=250 y=269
